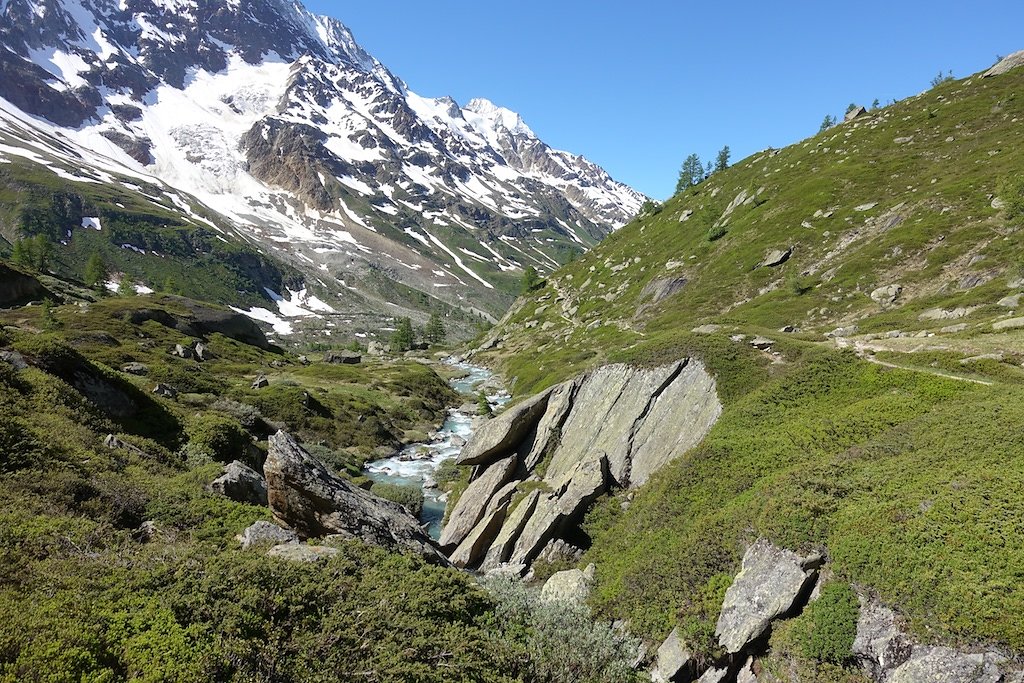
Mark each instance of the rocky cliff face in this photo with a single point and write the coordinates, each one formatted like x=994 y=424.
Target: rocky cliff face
x=609 y=429
x=280 y=122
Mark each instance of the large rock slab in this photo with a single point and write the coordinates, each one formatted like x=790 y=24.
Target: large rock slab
x=504 y=433
x=564 y=505
x=1006 y=64
x=677 y=420
x=17 y=287
x=549 y=428
x=473 y=502
x=501 y=548
x=297 y=552
x=265 y=533
x=473 y=547
x=881 y=644
x=931 y=664
x=305 y=496
x=673 y=658
x=241 y=483
x=766 y=588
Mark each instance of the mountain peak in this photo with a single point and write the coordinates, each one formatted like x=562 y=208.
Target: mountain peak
x=486 y=116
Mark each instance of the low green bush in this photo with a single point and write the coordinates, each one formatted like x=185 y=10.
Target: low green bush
x=410 y=497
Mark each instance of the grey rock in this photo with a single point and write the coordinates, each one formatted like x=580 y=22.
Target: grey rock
x=241 y=483
x=998 y=203
x=559 y=551
x=929 y=664
x=673 y=658
x=952 y=329
x=880 y=644
x=685 y=215
x=472 y=504
x=887 y=294
x=146 y=531
x=762 y=343
x=569 y=586
x=500 y=550
x=746 y=673
x=854 y=113
x=165 y=390
x=303 y=495
x=1006 y=64
x=1011 y=301
x=713 y=675
x=706 y=329
x=775 y=257
x=842 y=332
x=297 y=552
x=343 y=357
x=115 y=444
x=871 y=205
x=263 y=532
x=14 y=359
x=139 y=369
x=504 y=433
x=473 y=547
x=766 y=587
x=549 y=428
x=181 y=351
x=946 y=314
x=1008 y=324
x=17 y=288
x=260 y=382
x=658 y=290
x=201 y=351
x=457 y=441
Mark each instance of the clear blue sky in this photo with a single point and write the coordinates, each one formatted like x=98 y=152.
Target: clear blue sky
x=636 y=86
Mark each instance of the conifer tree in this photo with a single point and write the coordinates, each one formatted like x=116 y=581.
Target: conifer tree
x=402 y=338
x=691 y=173
x=435 y=332
x=722 y=160
x=95 y=270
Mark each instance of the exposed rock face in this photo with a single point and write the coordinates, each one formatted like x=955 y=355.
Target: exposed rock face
x=888 y=654
x=241 y=483
x=18 y=288
x=613 y=427
x=305 y=496
x=1006 y=64
x=767 y=587
x=776 y=257
x=673 y=659
x=886 y=295
x=263 y=532
x=343 y=357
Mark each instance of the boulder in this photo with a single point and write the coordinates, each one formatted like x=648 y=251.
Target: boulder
x=500 y=550
x=558 y=551
x=14 y=359
x=854 y=113
x=472 y=504
x=706 y=329
x=241 y=483
x=17 y=288
x=297 y=552
x=473 y=547
x=375 y=348
x=762 y=343
x=767 y=587
x=927 y=664
x=1011 y=301
x=880 y=644
x=1008 y=324
x=776 y=257
x=713 y=675
x=658 y=290
x=549 y=428
x=840 y=332
x=746 y=673
x=1005 y=64
x=112 y=442
x=201 y=351
x=303 y=495
x=887 y=294
x=139 y=369
x=263 y=532
x=343 y=357
x=260 y=382
x=505 y=432
x=181 y=351
x=165 y=390
x=673 y=659
x=570 y=586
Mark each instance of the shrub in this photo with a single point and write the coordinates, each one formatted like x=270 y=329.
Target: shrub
x=1011 y=191
x=220 y=438
x=828 y=626
x=716 y=232
x=411 y=498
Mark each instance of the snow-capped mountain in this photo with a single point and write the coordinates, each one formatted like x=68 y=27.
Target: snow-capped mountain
x=278 y=121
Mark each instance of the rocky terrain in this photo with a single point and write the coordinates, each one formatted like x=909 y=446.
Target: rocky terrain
x=271 y=125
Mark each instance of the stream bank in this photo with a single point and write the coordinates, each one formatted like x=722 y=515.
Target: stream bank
x=414 y=466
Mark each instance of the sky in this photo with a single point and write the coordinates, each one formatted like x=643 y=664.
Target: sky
x=637 y=86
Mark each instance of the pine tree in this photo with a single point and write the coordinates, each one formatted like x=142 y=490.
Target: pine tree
x=22 y=253
x=530 y=280
x=95 y=270
x=483 y=406
x=402 y=338
x=691 y=173
x=126 y=287
x=722 y=160
x=875 y=104
x=42 y=252
x=827 y=123
x=435 y=332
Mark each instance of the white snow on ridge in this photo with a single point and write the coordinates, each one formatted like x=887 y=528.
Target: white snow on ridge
x=92 y=223
x=280 y=325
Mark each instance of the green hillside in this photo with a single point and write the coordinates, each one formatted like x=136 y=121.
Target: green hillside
x=891 y=444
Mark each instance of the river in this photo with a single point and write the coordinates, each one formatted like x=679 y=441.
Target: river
x=416 y=463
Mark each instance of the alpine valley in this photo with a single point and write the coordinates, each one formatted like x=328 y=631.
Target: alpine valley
x=265 y=142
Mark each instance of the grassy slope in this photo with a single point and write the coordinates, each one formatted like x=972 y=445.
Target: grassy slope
x=911 y=482
x=84 y=597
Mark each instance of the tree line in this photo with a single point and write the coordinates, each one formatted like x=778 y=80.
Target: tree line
x=694 y=172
